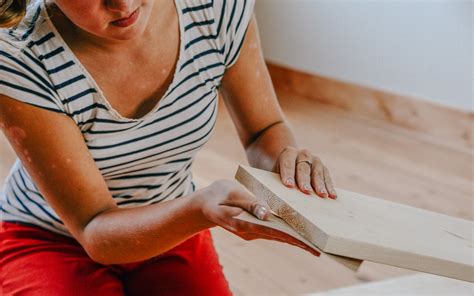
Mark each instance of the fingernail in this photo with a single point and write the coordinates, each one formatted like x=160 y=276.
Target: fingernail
x=260 y=213
x=289 y=181
x=323 y=192
x=307 y=187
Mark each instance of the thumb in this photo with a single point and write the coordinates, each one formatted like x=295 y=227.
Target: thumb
x=261 y=211
x=257 y=207
x=246 y=200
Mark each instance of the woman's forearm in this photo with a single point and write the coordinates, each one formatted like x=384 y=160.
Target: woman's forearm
x=125 y=235
x=263 y=152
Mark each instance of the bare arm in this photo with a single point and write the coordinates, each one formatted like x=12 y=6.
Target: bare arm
x=267 y=138
x=254 y=108
x=54 y=153
x=134 y=234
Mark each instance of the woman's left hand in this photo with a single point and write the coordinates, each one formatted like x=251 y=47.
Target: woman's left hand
x=308 y=171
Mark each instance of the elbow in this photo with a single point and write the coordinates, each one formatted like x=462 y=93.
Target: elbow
x=99 y=257
x=95 y=256
x=94 y=244
x=254 y=138
x=98 y=251
x=105 y=250
x=94 y=250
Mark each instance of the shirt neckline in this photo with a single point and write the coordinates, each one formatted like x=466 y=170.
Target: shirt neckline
x=101 y=96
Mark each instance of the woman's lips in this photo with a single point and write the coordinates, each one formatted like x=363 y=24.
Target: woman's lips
x=125 y=22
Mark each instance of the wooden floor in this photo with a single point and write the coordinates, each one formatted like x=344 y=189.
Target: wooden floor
x=366 y=156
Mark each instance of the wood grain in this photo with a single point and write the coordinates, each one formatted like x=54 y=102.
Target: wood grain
x=368 y=228
x=279 y=224
x=448 y=125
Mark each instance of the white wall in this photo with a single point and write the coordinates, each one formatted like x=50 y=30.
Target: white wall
x=418 y=48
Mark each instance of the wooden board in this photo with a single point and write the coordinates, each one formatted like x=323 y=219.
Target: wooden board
x=279 y=224
x=418 y=284
x=368 y=228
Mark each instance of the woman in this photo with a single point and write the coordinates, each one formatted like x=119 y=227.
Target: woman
x=106 y=104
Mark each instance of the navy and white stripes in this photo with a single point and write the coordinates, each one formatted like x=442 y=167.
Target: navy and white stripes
x=145 y=160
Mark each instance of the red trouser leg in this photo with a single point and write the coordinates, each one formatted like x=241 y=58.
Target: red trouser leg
x=192 y=268
x=37 y=262
x=34 y=261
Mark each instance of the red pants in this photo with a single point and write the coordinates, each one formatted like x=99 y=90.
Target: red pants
x=34 y=261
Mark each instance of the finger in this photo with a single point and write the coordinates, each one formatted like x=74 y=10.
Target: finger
x=288 y=239
x=246 y=200
x=286 y=164
x=306 y=248
x=269 y=232
x=230 y=211
x=301 y=245
x=303 y=171
x=329 y=185
x=226 y=220
x=298 y=244
x=317 y=178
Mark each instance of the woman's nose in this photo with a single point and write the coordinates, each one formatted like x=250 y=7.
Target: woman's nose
x=120 y=5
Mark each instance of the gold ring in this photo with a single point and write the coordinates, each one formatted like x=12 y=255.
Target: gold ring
x=307 y=161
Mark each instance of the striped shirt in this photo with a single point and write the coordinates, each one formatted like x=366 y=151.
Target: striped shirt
x=145 y=160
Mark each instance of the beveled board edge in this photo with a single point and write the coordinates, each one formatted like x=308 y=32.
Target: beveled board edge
x=279 y=224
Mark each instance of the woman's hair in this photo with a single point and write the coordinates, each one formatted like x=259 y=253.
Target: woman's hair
x=12 y=12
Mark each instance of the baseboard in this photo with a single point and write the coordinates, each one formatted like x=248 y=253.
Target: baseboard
x=443 y=122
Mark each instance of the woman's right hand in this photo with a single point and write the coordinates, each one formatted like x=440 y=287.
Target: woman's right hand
x=226 y=199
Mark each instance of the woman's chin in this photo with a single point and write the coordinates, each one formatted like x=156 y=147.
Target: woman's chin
x=123 y=34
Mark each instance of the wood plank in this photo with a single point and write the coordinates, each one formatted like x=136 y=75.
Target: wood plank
x=279 y=224
x=419 y=284
x=368 y=228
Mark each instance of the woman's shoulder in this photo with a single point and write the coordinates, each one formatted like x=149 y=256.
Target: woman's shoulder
x=24 y=52
x=29 y=27
x=232 y=18
x=228 y=11
x=16 y=43
x=19 y=34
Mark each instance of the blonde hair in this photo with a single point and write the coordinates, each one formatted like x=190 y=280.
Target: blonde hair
x=13 y=14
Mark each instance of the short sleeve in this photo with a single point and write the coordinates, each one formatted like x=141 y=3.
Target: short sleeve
x=26 y=82
x=239 y=13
